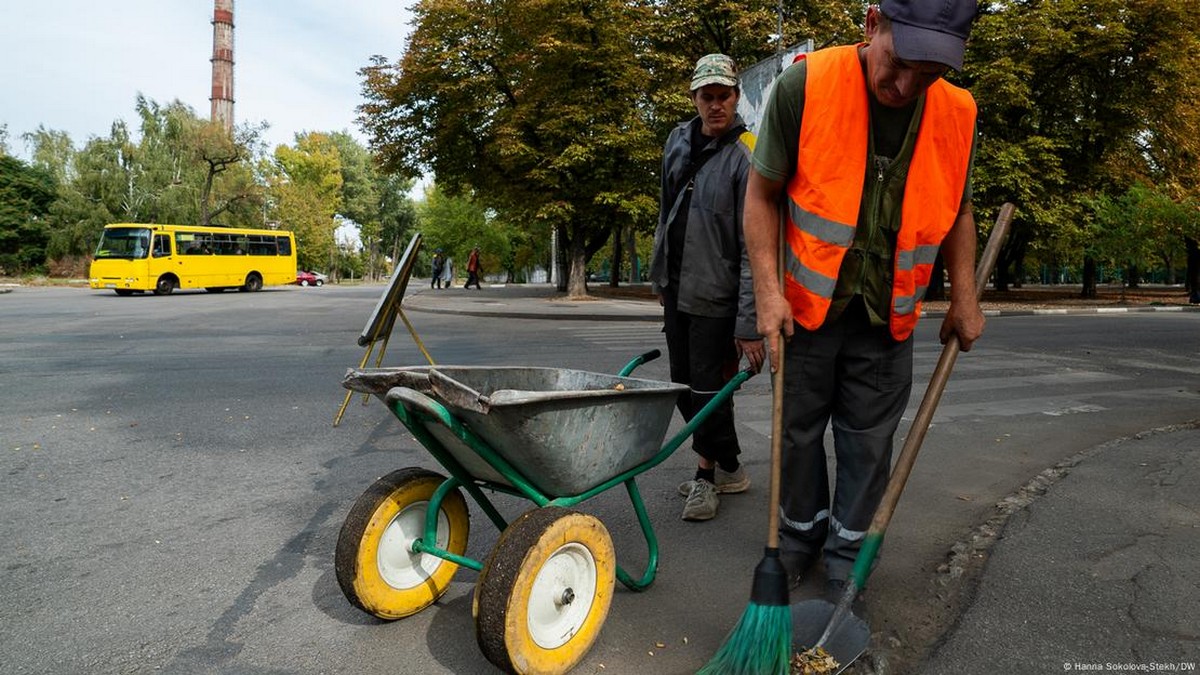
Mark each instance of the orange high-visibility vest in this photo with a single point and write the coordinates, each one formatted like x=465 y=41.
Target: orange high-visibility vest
x=825 y=193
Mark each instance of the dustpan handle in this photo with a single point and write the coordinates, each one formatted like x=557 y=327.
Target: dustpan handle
x=920 y=424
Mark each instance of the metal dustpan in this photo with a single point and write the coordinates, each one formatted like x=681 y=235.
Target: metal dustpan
x=846 y=643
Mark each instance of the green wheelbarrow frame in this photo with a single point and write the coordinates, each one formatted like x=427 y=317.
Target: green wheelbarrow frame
x=416 y=411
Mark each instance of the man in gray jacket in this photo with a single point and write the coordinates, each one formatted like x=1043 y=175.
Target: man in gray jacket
x=700 y=271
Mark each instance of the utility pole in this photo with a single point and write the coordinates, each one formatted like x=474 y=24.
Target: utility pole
x=222 y=64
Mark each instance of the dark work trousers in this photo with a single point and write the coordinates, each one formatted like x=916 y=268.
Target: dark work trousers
x=703 y=356
x=859 y=377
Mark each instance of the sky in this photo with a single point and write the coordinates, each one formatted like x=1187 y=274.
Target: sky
x=78 y=65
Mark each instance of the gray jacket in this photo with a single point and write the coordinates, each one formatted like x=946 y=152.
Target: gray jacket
x=714 y=280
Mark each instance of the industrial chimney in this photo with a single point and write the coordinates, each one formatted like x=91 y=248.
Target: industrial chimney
x=222 y=64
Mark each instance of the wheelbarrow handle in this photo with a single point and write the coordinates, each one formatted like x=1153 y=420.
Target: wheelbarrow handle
x=639 y=360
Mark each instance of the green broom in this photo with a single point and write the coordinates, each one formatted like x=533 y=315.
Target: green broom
x=761 y=642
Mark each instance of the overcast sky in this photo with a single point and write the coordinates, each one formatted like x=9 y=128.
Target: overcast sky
x=78 y=65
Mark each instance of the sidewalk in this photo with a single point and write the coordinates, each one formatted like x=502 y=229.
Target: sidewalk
x=1093 y=566
x=1099 y=573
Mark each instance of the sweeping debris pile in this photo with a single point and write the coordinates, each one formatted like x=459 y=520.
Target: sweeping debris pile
x=813 y=662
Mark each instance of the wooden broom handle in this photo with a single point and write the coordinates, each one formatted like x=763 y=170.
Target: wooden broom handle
x=937 y=383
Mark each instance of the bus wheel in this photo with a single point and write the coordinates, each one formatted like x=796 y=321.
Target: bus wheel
x=123 y=292
x=166 y=284
x=253 y=283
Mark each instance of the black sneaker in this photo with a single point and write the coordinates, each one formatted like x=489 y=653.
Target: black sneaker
x=836 y=588
x=797 y=565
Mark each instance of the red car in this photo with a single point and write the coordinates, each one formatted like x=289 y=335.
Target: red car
x=308 y=279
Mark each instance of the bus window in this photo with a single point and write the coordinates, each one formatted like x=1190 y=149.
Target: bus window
x=285 y=246
x=162 y=246
x=262 y=245
x=124 y=242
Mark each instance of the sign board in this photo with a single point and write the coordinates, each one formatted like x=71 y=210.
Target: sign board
x=758 y=79
x=380 y=321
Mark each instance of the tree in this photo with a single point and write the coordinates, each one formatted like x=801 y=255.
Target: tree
x=529 y=106
x=306 y=183
x=25 y=196
x=229 y=189
x=175 y=168
x=455 y=224
x=397 y=214
x=361 y=202
x=1079 y=98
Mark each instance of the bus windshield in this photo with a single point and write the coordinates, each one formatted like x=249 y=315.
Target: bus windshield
x=130 y=243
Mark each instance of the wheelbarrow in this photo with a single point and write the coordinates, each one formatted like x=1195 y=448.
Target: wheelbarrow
x=556 y=437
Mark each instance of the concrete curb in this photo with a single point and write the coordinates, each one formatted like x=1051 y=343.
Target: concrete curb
x=654 y=314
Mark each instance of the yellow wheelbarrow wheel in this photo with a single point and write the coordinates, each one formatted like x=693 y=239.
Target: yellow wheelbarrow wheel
x=375 y=564
x=545 y=591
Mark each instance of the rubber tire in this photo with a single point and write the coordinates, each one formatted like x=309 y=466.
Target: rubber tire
x=304 y=282
x=318 y=283
x=164 y=285
x=215 y=289
x=253 y=283
x=123 y=292
x=356 y=562
x=557 y=542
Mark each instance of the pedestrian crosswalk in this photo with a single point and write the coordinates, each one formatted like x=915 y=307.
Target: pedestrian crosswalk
x=990 y=382
x=619 y=336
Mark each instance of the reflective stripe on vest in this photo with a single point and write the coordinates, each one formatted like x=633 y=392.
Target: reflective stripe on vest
x=824 y=195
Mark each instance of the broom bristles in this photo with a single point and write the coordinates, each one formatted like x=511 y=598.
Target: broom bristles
x=761 y=642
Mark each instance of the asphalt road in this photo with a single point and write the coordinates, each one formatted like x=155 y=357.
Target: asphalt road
x=174 y=487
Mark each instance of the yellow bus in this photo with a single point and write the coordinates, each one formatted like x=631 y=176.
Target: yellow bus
x=134 y=258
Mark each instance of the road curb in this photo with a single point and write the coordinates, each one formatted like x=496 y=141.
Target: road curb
x=656 y=316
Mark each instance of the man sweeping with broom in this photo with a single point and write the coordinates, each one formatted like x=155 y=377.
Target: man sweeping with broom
x=866 y=152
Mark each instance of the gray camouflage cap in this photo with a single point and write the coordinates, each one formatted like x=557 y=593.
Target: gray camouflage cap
x=714 y=69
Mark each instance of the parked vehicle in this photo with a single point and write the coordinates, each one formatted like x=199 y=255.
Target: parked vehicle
x=309 y=279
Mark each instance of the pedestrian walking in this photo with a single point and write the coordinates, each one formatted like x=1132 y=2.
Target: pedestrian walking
x=439 y=266
x=701 y=274
x=474 y=269
x=867 y=153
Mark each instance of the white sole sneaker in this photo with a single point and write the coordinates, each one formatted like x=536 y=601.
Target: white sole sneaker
x=727 y=483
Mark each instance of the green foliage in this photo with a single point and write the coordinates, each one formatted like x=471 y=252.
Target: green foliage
x=25 y=196
x=1080 y=98
x=378 y=203
x=306 y=185
x=680 y=31
x=548 y=113
x=397 y=213
x=177 y=168
x=456 y=224
x=1139 y=225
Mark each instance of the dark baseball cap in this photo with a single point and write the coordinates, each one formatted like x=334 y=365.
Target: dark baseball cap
x=930 y=30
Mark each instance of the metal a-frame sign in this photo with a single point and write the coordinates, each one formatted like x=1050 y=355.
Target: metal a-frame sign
x=382 y=319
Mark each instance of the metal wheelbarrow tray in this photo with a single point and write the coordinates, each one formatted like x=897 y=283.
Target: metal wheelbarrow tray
x=556 y=437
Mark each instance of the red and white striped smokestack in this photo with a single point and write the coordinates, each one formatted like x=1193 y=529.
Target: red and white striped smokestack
x=222 y=64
